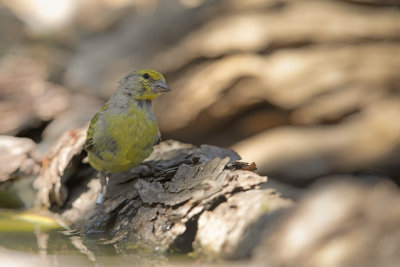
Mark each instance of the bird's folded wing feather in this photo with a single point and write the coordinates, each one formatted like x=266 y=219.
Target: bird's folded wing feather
x=103 y=146
x=89 y=144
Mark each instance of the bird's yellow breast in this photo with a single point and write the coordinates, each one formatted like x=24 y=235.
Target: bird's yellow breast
x=122 y=140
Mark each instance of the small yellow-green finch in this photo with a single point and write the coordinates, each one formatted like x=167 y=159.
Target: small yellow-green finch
x=122 y=134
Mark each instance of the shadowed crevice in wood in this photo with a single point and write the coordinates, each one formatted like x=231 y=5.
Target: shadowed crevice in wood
x=159 y=204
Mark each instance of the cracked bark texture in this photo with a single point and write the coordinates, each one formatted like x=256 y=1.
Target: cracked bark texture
x=171 y=202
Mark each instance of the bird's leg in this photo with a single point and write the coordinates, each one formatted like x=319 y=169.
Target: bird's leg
x=103 y=188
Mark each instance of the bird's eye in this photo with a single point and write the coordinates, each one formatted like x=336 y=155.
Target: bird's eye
x=146 y=76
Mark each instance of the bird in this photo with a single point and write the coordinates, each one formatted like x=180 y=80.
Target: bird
x=123 y=133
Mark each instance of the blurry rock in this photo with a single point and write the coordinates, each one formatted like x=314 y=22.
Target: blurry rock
x=322 y=83
x=44 y=16
x=377 y=2
x=337 y=224
x=366 y=141
x=222 y=231
x=18 y=158
x=11 y=30
x=286 y=190
x=205 y=85
x=234 y=77
x=27 y=99
x=294 y=78
x=100 y=15
x=80 y=112
x=102 y=60
x=274 y=24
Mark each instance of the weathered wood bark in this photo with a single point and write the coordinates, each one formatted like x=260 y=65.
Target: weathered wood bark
x=18 y=158
x=180 y=196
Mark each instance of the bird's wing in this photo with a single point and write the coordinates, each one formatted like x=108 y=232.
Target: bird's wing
x=105 y=148
x=89 y=144
x=101 y=145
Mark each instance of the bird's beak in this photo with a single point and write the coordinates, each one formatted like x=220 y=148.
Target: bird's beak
x=160 y=87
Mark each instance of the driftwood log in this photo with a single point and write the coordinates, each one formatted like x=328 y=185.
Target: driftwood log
x=203 y=200
x=181 y=199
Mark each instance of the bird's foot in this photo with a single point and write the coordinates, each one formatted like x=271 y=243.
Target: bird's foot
x=100 y=198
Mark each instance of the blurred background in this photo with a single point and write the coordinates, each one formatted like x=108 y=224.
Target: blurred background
x=308 y=90
x=304 y=88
